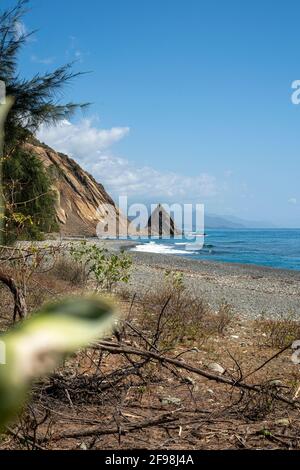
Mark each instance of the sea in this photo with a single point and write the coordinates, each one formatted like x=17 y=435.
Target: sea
x=274 y=248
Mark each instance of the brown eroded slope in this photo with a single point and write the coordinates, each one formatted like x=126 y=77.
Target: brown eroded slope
x=82 y=202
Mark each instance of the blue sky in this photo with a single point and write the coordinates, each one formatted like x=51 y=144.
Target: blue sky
x=191 y=99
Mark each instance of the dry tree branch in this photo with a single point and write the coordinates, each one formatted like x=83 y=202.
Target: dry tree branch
x=99 y=431
x=268 y=360
x=118 y=349
x=20 y=307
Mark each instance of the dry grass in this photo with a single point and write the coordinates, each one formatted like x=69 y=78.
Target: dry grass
x=177 y=315
x=69 y=270
x=97 y=389
x=280 y=333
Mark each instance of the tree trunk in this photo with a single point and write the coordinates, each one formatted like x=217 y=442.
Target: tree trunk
x=20 y=307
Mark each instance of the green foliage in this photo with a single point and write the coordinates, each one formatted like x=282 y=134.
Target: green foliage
x=107 y=269
x=36 y=346
x=175 y=279
x=29 y=199
x=4 y=108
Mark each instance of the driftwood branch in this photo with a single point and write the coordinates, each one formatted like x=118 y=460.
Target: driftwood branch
x=20 y=307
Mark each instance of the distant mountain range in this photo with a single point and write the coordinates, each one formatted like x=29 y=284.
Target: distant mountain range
x=213 y=221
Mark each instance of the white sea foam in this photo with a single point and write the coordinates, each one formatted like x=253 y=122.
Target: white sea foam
x=191 y=246
x=153 y=247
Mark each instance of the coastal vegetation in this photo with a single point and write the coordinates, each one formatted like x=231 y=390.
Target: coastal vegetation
x=27 y=210
x=175 y=372
x=162 y=355
x=29 y=200
x=105 y=268
x=39 y=343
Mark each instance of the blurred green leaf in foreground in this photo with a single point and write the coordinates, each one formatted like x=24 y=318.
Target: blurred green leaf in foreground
x=38 y=345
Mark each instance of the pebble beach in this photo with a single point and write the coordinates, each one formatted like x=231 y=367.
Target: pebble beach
x=251 y=290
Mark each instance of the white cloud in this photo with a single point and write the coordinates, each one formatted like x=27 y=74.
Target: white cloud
x=73 y=51
x=83 y=140
x=44 y=61
x=292 y=200
x=122 y=177
x=90 y=146
x=20 y=29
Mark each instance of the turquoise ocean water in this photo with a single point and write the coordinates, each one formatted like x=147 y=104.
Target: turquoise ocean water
x=272 y=248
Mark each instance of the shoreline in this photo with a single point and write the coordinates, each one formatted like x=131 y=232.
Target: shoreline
x=205 y=265
x=196 y=264
x=252 y=290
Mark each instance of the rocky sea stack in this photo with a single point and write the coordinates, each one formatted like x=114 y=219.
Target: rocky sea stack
x=161 y=224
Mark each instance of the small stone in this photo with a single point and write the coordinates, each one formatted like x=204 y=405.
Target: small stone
x=276 y=383
x=215 y=367
x=210 y=391
x=283 y=422
x=235 y=336
x=189 y=380
x=170 y=401
x=83 y=446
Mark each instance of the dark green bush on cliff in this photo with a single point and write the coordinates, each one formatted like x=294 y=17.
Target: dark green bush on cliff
x=30 y=201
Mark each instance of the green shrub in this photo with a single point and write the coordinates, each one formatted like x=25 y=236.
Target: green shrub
x=107 y=269
x=29 y=199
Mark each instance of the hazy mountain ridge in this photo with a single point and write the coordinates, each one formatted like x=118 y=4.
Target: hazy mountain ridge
x=231 y=222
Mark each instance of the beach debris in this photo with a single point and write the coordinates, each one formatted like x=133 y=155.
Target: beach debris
x=296 y=348
x=276 y=383
x=188 y=380
x=170 y=401
x=215 y=367
x=283 y=422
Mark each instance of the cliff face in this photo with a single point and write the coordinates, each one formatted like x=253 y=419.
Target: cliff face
x=82 y=203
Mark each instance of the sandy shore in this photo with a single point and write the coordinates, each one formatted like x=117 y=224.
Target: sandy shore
x=251 y=290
